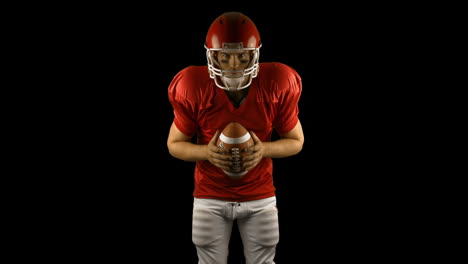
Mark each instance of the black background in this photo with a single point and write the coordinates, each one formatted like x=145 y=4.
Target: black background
x=130 y=200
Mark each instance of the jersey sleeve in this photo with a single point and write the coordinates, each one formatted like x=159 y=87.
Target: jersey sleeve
x=181 y=97
x=289 y=89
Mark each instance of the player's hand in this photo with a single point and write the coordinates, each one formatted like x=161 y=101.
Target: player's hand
x=218 y=156
x=254 y=153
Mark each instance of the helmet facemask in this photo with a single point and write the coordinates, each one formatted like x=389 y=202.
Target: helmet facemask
x=233 y=80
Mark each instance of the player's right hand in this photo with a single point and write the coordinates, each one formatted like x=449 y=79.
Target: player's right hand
x=218 y=156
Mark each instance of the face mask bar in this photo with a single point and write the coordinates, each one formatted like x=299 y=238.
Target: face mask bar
x=236 y=78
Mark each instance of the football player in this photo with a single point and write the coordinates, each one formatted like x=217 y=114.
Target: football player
x=263 y=97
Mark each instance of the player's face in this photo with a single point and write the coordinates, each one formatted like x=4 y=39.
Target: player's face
x=233 y=61
x=231 y=66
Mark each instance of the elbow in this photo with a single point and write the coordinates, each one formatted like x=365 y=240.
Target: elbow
x=299 y=146
x=170 y=149
x=295 y=148
x=172 y=153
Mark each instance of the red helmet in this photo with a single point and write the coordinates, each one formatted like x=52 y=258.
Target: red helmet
x=233 y=32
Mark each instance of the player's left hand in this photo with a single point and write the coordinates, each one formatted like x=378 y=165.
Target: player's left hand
x=254 y=153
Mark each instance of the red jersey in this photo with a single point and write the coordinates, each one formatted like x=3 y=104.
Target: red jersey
x=201 y=108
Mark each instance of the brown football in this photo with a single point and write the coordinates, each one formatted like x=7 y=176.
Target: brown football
x=235 y=137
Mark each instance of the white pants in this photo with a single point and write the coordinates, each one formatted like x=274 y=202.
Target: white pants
x=257 y=222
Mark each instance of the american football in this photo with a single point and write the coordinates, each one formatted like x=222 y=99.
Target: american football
x=235 y=138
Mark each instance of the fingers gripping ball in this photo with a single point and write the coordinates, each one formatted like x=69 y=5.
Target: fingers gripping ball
x=235 y=138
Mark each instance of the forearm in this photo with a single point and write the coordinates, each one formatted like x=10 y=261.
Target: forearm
x=281 y=148
x=188 y=151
